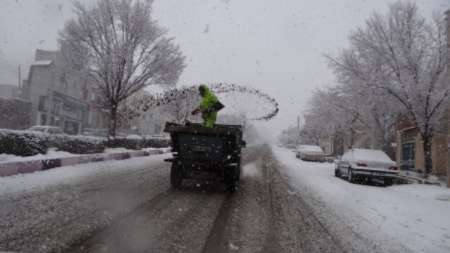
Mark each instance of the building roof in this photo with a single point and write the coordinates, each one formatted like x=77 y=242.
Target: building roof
x=42 y=63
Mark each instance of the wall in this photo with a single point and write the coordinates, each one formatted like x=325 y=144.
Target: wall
x=439 y=153
x=40 y=80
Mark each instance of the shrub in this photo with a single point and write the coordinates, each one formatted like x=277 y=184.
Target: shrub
x=28 y=143
x=77 y=144
x=23 y=143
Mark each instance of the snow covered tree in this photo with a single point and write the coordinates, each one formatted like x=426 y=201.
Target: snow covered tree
x=344 y=111
x=376 y=113
x=179 y=109
x=122 y=49
x=403 y=56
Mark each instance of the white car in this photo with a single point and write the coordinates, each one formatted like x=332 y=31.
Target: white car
x=310 y=153
x=134 y=137
x=366 y=164
x=47 y=129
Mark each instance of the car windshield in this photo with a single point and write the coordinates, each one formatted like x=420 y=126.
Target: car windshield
x=225 y=126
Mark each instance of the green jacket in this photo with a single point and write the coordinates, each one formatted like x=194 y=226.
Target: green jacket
x=206 y=107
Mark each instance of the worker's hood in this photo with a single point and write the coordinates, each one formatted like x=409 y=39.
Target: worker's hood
x=205 y=91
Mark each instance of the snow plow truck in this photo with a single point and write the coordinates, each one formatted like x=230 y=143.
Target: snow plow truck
x=203 y=153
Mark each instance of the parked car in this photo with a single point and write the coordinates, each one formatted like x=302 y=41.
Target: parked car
x=310 y=153
x=134 y=137
x=47 y=129
x=366 y=164
x=97 y=132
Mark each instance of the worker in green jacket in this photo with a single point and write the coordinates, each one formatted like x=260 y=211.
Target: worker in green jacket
x=209 y=106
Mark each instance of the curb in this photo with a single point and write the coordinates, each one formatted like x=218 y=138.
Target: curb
x=23 y=167
x=418 y=180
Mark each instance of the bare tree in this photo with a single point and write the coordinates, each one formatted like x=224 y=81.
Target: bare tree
x=331 y=111
x=344 y=111
x=122 y=49
x=179 y=110
x=403 y=56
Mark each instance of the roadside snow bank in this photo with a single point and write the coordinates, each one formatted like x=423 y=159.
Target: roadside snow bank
x=51 y=154
x=416 y=216
x=251 y=170
x=69 y=174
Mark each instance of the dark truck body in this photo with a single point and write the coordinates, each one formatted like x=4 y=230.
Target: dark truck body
x=205 y=153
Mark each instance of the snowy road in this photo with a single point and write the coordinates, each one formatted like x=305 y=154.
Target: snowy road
x=283 y=205
x=128 y=206
x=364 y=218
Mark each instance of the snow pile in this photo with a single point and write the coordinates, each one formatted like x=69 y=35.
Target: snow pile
x=251 y=170
x=32 y=143
x=399 y=218
x=51 y=154
x=70 y=174
x=116 y=150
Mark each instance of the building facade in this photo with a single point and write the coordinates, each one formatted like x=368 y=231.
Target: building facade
x=8 y=91
x=15 y=112
x=410 y=153
x=59 y=97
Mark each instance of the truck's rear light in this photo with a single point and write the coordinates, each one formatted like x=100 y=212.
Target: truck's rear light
x=361 y=164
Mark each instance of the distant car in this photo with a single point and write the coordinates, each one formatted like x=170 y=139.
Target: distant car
x=97 y=132
x=134 y=136
x=310 y=153
x=47 y=129
x=358 y=165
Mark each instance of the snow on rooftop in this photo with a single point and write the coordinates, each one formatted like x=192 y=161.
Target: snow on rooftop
x=42 y=63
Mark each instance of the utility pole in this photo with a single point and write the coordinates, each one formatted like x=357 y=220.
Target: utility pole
x=19 y=77
x=298 y=131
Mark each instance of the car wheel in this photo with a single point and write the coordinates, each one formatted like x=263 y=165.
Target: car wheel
x=351 y=177
x=337 y=173
x=232 y=175
x=388 y=181
x=176 y=176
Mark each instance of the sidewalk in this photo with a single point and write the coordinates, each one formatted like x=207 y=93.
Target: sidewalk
x=10 y=168
x=398 y=218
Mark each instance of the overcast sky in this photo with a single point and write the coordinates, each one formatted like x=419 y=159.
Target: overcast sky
x=274 y=45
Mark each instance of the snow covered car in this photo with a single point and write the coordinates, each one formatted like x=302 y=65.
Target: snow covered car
x=366 y=164
x=310 y=153
x=47 y=129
